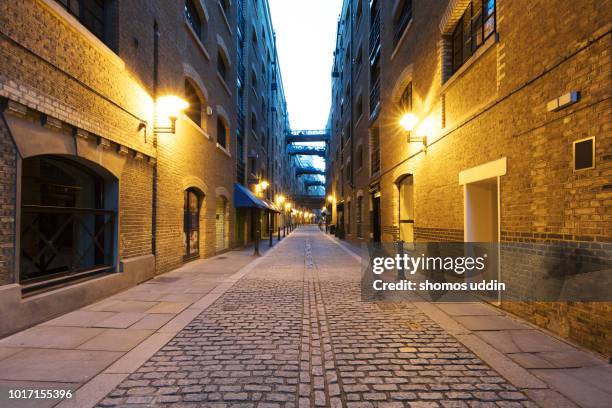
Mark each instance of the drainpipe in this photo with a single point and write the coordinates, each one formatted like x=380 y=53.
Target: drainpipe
x=156 y=36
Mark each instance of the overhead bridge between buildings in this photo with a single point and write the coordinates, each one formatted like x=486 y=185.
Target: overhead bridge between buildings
x=306 y=150
x=313 y=202
x=300 y=171
x=295 y=136
x=315 y=183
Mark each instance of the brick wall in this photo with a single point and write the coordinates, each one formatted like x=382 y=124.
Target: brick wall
x=8 y=161
x=135 y=203
x=494 y=107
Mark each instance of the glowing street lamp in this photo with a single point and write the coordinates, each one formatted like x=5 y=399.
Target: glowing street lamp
x=264 y=185
x=330 y=198
x=169 y=108
x=409 y=121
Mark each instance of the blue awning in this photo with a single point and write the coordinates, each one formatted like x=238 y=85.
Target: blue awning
x=243 y=198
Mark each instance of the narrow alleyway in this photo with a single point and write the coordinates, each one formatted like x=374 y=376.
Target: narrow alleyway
x=293 y=333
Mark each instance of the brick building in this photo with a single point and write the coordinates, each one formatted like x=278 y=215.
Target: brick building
x=509 y=109
x=262 y=120
x=101 y=187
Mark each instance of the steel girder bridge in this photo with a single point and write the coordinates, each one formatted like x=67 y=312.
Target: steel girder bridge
x=295 y=150
x=312 y=182
x=310 y=201
x=296 y=136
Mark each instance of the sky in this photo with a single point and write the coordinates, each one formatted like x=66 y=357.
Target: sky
x=305 y=39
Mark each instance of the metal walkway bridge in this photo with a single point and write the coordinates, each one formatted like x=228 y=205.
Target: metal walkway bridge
x=300 y=171
x=295 y=150
x=295 y=136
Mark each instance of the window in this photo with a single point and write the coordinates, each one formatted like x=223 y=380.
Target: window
x=253 y=122
x=68 y=220
x=359 y=58
x=191 y=224
x=253 y=79
x=405 y=102
x=359 y=157
x=194 y=111
x=221 y=132
x=90 y=13
x=359 y=11
x=401 y=19
x=359 y=107
x=584 y=154
x=225 y=5
x=475 y=25
x=222 y=67
x=193 y=17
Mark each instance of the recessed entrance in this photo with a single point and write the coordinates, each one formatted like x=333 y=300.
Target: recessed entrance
x=221 y=222
x=406 y=208
x=191 y=224
x=481 y=211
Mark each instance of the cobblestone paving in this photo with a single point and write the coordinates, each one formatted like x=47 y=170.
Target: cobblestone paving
x=294 y=333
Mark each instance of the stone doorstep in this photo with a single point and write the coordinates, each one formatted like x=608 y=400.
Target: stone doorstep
x=107 y=379
x=501 y=340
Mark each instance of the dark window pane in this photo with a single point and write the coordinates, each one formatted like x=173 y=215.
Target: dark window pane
x=194 y=111
x=583 y=154
x=193 y=17
x=221 y=133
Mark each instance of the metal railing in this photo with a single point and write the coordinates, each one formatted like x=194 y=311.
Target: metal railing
x=63 y=241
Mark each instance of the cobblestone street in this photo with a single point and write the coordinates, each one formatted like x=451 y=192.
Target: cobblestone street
x=294 y=333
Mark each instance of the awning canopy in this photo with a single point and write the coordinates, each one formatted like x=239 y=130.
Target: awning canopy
x=243 y=198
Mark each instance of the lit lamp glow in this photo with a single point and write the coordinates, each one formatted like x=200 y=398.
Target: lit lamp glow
x=169 y=108
x=330 y=198
x=264 y=185
x=409 y=121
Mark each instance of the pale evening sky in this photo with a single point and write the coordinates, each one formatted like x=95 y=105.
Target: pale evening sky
x=305 y=38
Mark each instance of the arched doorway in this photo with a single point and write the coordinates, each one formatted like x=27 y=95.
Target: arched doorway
x=191 y=223
x=68 y=220
x=221 y=224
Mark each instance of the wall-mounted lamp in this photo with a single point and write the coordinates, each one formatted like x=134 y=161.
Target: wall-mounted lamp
x=409 y=121
x=169 y=108
x=330 y=198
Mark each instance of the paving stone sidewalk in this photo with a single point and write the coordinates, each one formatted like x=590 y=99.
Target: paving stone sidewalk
x=294 y=333
x=109 y=337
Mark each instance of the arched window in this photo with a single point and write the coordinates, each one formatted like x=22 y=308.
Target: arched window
x=194 y=18
x=221 y=132
x=191 y=224
x=194 y=111
x=405 y=102
x=67 y=220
